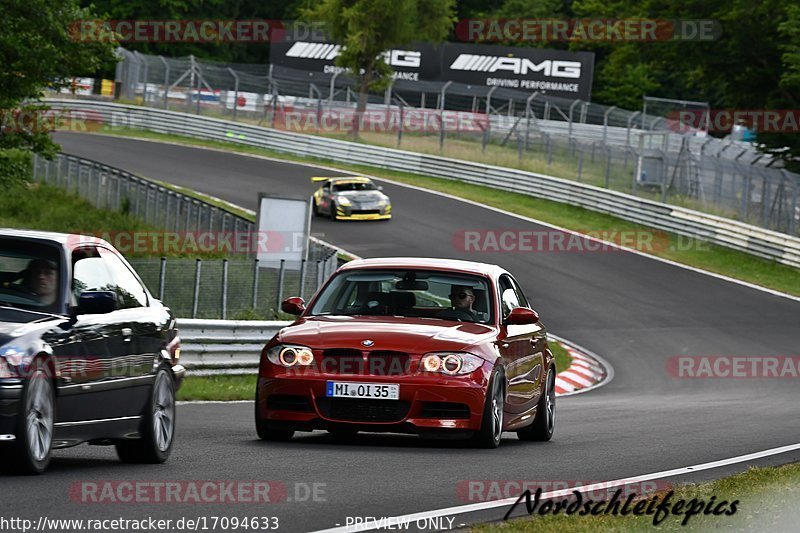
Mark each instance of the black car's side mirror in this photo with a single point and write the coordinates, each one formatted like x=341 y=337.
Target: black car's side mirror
x=97 y=302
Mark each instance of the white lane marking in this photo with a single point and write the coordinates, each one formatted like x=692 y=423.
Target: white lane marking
x=585 y=372
x=478 y=204
x=569 y=375
x=607 y=369
x=482 y=506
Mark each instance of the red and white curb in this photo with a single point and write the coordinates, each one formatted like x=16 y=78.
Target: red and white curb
x=587 y=370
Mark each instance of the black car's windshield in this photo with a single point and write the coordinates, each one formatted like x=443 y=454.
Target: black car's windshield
x=30 y=275
x=346 y=186
x=410 y=293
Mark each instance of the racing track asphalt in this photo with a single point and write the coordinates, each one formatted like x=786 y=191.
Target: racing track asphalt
x=633 y=311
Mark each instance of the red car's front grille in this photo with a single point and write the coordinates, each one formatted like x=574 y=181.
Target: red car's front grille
x=386 y=363
x=357 y=410
x=353 y=362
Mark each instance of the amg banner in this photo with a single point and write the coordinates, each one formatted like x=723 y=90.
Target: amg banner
x=551 y=72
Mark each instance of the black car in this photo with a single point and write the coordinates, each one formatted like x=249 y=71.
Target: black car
x=86 y=353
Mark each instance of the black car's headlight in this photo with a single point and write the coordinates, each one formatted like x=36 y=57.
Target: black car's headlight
x=287 y=355
x=450 y=363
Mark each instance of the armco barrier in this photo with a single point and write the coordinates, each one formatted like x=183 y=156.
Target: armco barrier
x=764 y=243
x=224 y=343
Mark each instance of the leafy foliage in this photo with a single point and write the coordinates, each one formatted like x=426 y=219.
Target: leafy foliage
x=366 y=28
x=36 y=51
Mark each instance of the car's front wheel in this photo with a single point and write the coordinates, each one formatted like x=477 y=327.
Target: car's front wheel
x=492 y=422
x=158 y=425
x=36 y=417
x=544 y=424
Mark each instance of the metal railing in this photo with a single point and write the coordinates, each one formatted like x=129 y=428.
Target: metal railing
x=692 y=223
x=637 y=152
x=223 y=287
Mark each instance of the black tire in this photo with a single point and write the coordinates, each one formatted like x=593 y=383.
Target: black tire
x=333 y=212
x=158 y=423
x=315 y=209
x=270 y=433
x=35 y=420
x=543 y=426
x=491 y=431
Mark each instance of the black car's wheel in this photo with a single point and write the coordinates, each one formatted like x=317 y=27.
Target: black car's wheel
x=267 y=432
x=544 y=424
x=31 y=453
x=315 y=209
x=334 y=216
x=492 y=422
x=158 y=425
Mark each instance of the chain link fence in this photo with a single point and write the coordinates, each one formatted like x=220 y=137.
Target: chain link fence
x=193 y=287
x=639 y=152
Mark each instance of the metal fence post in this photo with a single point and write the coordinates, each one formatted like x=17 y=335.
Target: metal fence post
x=279 y=291
x=441 y=114
x=605 y=123
x=255 y=284
x=569 y=128
x=166 y=79
x=628 y=135
x=224 y=289
x=162 y=278
x=528 y=113
x=235 y=91
x=488 y=131
x=302 y=276
x=196 y=295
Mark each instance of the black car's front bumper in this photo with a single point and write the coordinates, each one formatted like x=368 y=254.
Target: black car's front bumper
x=10 y=395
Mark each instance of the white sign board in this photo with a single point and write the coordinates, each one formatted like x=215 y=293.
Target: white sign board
x=283 y=227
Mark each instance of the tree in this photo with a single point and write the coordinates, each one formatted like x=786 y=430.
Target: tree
x=38 y=50
x=367 y=28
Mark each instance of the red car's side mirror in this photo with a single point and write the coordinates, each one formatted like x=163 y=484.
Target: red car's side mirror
x=294 y=305
x=522 y=315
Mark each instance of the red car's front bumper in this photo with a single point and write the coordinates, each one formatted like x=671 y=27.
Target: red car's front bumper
x=427 y=402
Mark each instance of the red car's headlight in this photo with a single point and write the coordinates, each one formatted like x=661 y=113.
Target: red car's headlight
x=450 y=363
x=290 y=355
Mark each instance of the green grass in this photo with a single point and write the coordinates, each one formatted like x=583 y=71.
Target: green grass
x=231 y=208
x=221 y=387
x=696 y=253
x=767 y=502
x=40 y=206
x=563 y=360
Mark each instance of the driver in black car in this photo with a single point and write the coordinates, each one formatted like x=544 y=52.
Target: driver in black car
x=42 y=281
x=462 y=298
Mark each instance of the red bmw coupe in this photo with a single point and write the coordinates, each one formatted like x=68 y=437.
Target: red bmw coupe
x=410 y=345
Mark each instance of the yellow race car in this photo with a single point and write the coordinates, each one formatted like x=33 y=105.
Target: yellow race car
x=351 y=198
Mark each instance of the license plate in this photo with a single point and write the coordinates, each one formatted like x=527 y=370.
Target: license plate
x=377 y=391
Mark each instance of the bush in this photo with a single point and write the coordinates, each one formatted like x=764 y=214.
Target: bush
x=16 y=168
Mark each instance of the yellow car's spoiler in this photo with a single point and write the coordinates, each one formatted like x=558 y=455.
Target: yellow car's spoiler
x=325 y=178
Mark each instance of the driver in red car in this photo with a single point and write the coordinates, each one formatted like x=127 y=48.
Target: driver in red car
x=462 y=299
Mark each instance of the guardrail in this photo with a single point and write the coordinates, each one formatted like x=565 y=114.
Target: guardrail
x=226 y=344
x=765 y=243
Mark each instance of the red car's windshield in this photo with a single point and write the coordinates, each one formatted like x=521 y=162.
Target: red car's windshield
x=411 y=293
